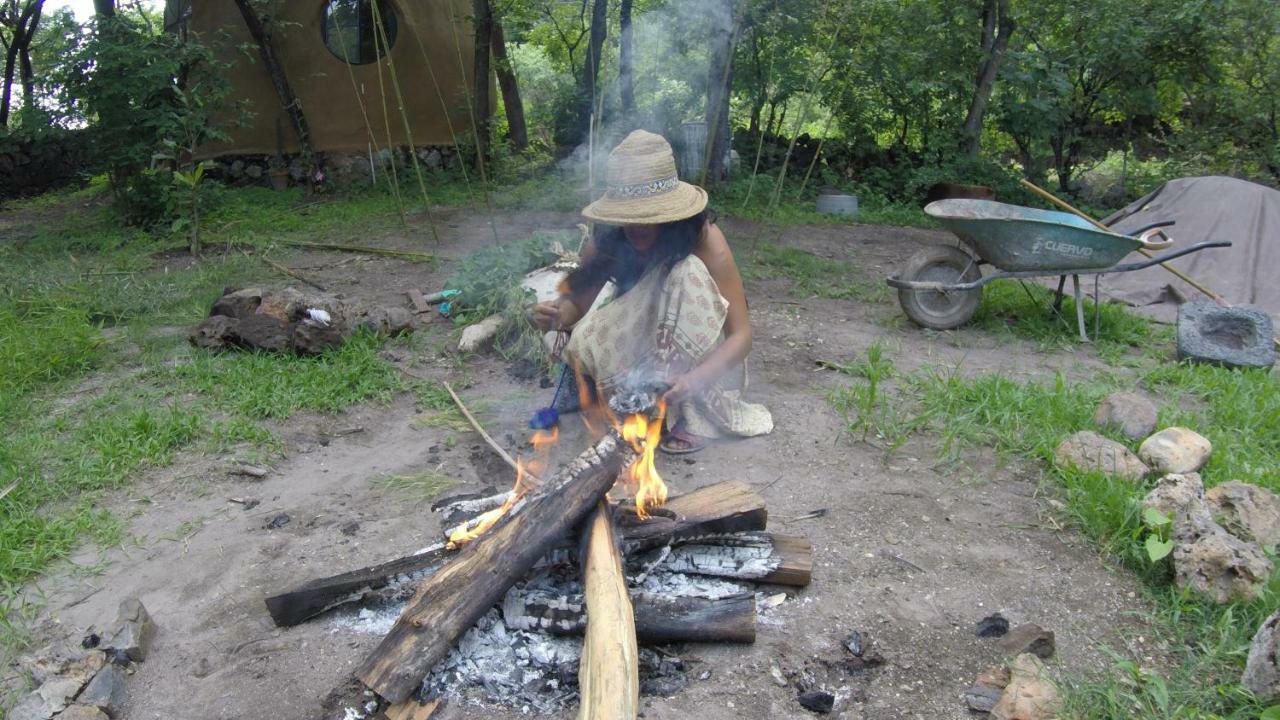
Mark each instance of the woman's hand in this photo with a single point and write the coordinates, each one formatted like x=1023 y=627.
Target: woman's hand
x=546 y=316
x=682 y=387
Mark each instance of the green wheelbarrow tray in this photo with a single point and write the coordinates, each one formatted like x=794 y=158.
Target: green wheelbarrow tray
x=1016 y=238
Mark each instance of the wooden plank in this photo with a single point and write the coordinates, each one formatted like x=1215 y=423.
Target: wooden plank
x=609 y=671
x=450 y=601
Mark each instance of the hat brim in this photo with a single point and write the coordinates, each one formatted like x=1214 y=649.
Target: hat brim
x=682 y=203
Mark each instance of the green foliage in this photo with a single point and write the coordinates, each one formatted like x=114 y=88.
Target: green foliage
x=40 y=345
x=486 y=276
x=809 y=274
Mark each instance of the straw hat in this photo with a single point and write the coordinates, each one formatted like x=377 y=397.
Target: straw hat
x=642 y=185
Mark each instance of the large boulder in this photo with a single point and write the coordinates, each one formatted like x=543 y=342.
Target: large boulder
x=1133 y=415
x=1262 y=671
x=1175 y=450
x=1090 y=451
x=1030 y=695
x=1247 y=511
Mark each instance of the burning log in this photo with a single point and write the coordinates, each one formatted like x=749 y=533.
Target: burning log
x=759 y=557
x=609 y=672
x=659 y=618
x=450 y=601
x=708 y=512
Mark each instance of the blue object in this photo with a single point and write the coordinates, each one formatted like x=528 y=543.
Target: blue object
x=445 y=308
x=548 y=417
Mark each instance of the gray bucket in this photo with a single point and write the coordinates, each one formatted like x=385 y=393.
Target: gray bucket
x=832 y=204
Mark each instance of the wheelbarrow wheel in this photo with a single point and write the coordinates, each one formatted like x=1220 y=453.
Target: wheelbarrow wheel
x=940 y=309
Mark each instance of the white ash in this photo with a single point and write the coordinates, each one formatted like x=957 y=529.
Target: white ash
x=665 y=582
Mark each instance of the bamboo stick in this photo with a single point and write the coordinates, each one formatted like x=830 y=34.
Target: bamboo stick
x=361 y=249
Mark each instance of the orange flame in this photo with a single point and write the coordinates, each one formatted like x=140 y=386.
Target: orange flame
x=468 y=531
x=644 y=434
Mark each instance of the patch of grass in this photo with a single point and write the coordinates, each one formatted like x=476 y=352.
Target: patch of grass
x=40 y=345
x=274 y=385
x=753 y=200
x=423 y=486
x=1024 y=310
x=810 y=274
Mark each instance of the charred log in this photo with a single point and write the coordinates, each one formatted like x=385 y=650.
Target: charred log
x=659 y=618
x=759 y=557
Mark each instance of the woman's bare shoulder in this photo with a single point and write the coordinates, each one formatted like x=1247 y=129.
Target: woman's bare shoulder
x=713 y=248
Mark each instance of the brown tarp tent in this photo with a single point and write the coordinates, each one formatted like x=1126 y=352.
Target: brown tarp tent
x=432 y=54
x=1205 y=208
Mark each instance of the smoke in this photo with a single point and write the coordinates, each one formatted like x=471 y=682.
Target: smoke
x=671 y=58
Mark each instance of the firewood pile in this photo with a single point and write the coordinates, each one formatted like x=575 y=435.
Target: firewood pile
x=564 y=525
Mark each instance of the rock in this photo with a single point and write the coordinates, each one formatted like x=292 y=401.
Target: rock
x=992 y=626
x=47 y=700
x=817 y=701
x=1030 y=694
x=478 y=336
x=982 y=698
x=133 y=631
x=853 y=643
x=1249 y=512
x=1211 y=561
x=215 y=332
x=279 y=521
x=83 y=712
x=237 y=303
x=60 y=660
x=105 y=691
x=1029 y=638
x=434 y=159
x=253 y=171
x=1175 y=492
x=1090 y=451
x=1175 y=450
x=1261 y=672
x=776 y=674
x=1235 y=337
x=1132 y=414
x=387 y=321
x=310 y=338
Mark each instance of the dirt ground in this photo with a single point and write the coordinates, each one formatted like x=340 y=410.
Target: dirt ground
x=968 y=539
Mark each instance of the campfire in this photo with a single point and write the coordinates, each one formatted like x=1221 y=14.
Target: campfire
x=557 y=557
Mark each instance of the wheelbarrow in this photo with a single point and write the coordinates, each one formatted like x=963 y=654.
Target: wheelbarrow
x=941 y=286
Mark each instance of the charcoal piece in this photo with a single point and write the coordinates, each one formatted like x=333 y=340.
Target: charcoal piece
x=853 y=643
x=817 y=701
x=991 y=626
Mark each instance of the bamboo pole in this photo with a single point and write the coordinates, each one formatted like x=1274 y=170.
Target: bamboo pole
x=1176 y=272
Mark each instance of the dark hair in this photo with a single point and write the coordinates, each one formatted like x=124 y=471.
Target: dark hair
x=615 y=259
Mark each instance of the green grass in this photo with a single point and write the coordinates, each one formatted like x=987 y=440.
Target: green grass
x=423 y=486
x=810 y=275
x=1024 y=310
x=1239 y=411
x=753 y=200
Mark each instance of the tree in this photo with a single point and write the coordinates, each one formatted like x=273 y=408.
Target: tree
x=997 y=26
x=258 y=30
x=18 y=23
x=724 y=38
x=626 y=61
x=588 y=93
x=511 y=101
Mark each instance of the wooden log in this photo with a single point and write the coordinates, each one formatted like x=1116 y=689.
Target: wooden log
x=450 y=601
x=707 y=512
x=316 y=596
x=759 y=557
x=609 y=671
x=660 y=619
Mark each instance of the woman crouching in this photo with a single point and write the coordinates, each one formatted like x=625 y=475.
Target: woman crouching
x=657 y=298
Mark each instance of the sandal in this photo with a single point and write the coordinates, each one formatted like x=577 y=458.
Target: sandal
x=681 y=442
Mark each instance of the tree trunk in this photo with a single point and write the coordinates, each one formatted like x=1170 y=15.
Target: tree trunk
x=626 y=63
x=587 y=91
x=719 y=81
x=24 y=31
x=104 y=9
x=997 y=26
x=609 y=671
x=483 y=19
x=288 y=101
x=510 y=88
x=451 y=601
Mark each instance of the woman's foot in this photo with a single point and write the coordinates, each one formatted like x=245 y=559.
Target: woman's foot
x=681 y=442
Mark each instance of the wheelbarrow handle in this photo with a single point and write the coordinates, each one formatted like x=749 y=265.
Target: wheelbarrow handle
x=1149 y=243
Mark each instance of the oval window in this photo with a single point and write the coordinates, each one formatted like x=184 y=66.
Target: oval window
x=350 y=33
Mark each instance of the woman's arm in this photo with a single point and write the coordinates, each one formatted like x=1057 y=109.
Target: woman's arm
x=713 y=250
x=565 y=312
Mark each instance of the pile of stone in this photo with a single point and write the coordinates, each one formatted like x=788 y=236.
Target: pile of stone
x=88 y=682
x=1022 y=689
x=1221 y=536
x=291 y=320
